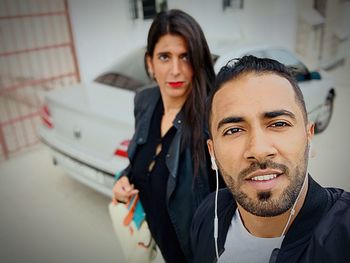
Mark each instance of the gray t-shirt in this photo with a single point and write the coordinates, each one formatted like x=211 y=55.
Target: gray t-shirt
x=241 y=246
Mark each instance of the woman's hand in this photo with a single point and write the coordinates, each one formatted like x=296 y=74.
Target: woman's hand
x=123 y=190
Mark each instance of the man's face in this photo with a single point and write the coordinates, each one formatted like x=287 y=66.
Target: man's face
x=260 y=142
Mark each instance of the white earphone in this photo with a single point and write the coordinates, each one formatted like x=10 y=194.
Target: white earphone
x=213 y=163
x=216 y=227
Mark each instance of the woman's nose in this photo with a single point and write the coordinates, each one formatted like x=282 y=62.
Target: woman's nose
x=175 y=70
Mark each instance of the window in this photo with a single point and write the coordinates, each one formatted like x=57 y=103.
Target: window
x=129 y=73
x=147 y=9
x=321 y=6
x=236 y=4
x=299 y=69
x=119 y=81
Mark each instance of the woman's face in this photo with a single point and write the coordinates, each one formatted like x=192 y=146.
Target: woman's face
x=171 y=67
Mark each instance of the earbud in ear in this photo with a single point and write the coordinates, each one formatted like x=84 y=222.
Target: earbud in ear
x=213 y=163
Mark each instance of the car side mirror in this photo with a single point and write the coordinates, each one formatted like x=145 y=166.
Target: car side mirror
x=315 y=75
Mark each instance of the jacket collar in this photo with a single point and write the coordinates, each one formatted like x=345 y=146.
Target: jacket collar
x=149 y=107
x=179 y=119
x=316 y=204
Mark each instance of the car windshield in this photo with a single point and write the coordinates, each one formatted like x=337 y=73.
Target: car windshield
x=285 y=57
x=119 y=81
x=214 y=58
x=289 y=60
x=129 y=73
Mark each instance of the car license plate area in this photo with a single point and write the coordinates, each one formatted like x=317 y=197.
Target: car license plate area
x=79 y=168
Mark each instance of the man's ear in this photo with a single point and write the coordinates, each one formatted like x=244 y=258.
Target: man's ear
x=310 y=136
x=210 y=147
x=310 y=131
x=212 y=155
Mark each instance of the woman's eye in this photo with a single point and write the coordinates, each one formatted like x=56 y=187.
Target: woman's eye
x=232 y=131
x=280 y=124
x=163 y=57
x=185 y=58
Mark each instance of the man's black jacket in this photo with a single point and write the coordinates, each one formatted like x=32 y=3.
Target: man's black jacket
x=319 y=233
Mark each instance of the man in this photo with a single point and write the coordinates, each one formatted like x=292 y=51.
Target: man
x=271 y=210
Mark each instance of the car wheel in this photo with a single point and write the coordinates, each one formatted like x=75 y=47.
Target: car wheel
x=324 y=117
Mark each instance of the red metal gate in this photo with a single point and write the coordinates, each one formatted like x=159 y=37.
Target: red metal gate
x=36 y=54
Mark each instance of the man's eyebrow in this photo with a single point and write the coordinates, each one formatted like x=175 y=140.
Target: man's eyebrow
x=277 y=113
x=227 y=120
x=268 y=115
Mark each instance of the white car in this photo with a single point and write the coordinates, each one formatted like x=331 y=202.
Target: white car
x=87 y=127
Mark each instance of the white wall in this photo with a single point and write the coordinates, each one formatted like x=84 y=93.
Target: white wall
x=104 y=31
x=271 y=21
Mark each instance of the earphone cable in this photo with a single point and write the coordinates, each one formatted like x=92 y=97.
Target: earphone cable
x=216 y=215
x=292 y=211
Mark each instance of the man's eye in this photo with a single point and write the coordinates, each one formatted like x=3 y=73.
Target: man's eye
x=232 y=131
x=280 y=124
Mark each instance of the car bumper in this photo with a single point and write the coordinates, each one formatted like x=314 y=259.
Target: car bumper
x=85 y=169
x=98 y=180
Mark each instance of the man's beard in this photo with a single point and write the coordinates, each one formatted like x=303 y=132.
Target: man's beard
x=265 y=205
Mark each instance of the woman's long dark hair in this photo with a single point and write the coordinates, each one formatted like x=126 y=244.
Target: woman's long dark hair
x=177 y=22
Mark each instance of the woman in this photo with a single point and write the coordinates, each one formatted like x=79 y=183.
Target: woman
x=168 y=161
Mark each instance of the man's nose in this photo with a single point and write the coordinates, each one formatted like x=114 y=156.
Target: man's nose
x=259 y=147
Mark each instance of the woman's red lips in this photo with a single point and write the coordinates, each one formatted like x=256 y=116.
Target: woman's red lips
x=176 y=84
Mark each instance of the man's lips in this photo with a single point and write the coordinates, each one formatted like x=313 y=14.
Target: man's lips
x=264 y=180
x=264 y=175
x=176 y=84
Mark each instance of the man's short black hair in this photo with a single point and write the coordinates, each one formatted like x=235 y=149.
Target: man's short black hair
x=250 y=64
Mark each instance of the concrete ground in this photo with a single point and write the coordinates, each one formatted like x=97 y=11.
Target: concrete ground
x=48 y=217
